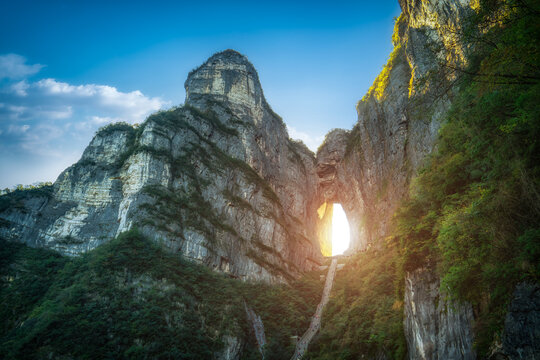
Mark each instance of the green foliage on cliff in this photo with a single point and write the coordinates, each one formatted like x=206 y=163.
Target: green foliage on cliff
x=363 y=317
x=26 y=275
x=15 y=198
x=130 y=299
x=377 y=89
x=474 y=209
x=119 y=126
x=211 y=116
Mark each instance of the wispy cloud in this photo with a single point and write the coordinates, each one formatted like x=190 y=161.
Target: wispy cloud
x=51 y=119
x=13 y=66
x=312 y=141
x=50 y=99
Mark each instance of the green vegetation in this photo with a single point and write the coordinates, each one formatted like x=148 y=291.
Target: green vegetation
x=354 y=142
x=15 y=198
x=363 y=316
x=377 y=90
x=474 y=209
x=21 y=187
x=111 y=128
x=213 y=119
x=130 y=299
x=26 y=275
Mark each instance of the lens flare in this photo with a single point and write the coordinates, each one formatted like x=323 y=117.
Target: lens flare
x=340 y=231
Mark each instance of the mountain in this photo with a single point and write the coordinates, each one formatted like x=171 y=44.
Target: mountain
x=439 y=179
x=217 y=180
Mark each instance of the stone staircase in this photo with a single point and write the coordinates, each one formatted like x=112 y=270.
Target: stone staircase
x=315 y=325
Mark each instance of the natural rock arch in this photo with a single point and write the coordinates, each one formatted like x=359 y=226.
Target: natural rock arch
x=337 y=184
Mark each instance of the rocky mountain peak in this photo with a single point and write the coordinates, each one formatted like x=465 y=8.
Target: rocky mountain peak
x=225 y=76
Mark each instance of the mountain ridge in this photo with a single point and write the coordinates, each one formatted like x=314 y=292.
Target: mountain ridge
x=218 y=181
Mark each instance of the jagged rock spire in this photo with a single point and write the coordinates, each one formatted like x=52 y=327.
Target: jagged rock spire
x=225 y=76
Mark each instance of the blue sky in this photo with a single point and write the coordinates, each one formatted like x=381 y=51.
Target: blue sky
x=69 y=67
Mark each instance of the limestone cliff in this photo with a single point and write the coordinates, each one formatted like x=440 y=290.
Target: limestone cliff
x=339 y=184
x=368 y=169
x=521 y=326
x=217 y=180
x=436 y=328
x=398 y=120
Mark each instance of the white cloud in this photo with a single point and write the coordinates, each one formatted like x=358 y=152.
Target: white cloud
x=14 y=129
x=20 y=88
x=312 y=141
x=103 y=120
x=103 y=99
x=52 y=120
x=13 y=66
x=42 y=140
x=49 y=99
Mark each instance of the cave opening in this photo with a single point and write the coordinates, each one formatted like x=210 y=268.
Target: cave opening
x=341 y=234
x=334 y=229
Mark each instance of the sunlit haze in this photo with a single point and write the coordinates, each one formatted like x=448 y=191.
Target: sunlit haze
x=340 y=231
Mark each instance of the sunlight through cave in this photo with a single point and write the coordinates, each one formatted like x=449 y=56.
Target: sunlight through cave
x=340 y=231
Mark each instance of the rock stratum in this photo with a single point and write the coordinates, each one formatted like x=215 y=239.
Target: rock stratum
x=217 y=180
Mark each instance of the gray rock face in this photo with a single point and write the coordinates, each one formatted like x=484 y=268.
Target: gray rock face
x=434 y=328
x=233 y=349
x=338 y=183
x=230 y=77
x=521 y=334
x=217 y=180
x=398 y=121
x=226 y=213
x=368 y=171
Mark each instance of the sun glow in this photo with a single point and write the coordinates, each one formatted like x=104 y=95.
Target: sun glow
x=340 y=231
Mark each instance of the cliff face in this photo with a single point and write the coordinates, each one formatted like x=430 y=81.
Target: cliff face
x=217 y=180
x=398 y=124
x=435 y=328
x=399 y=117
x=368 y=169
x=338 y=183
x=521 y=326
